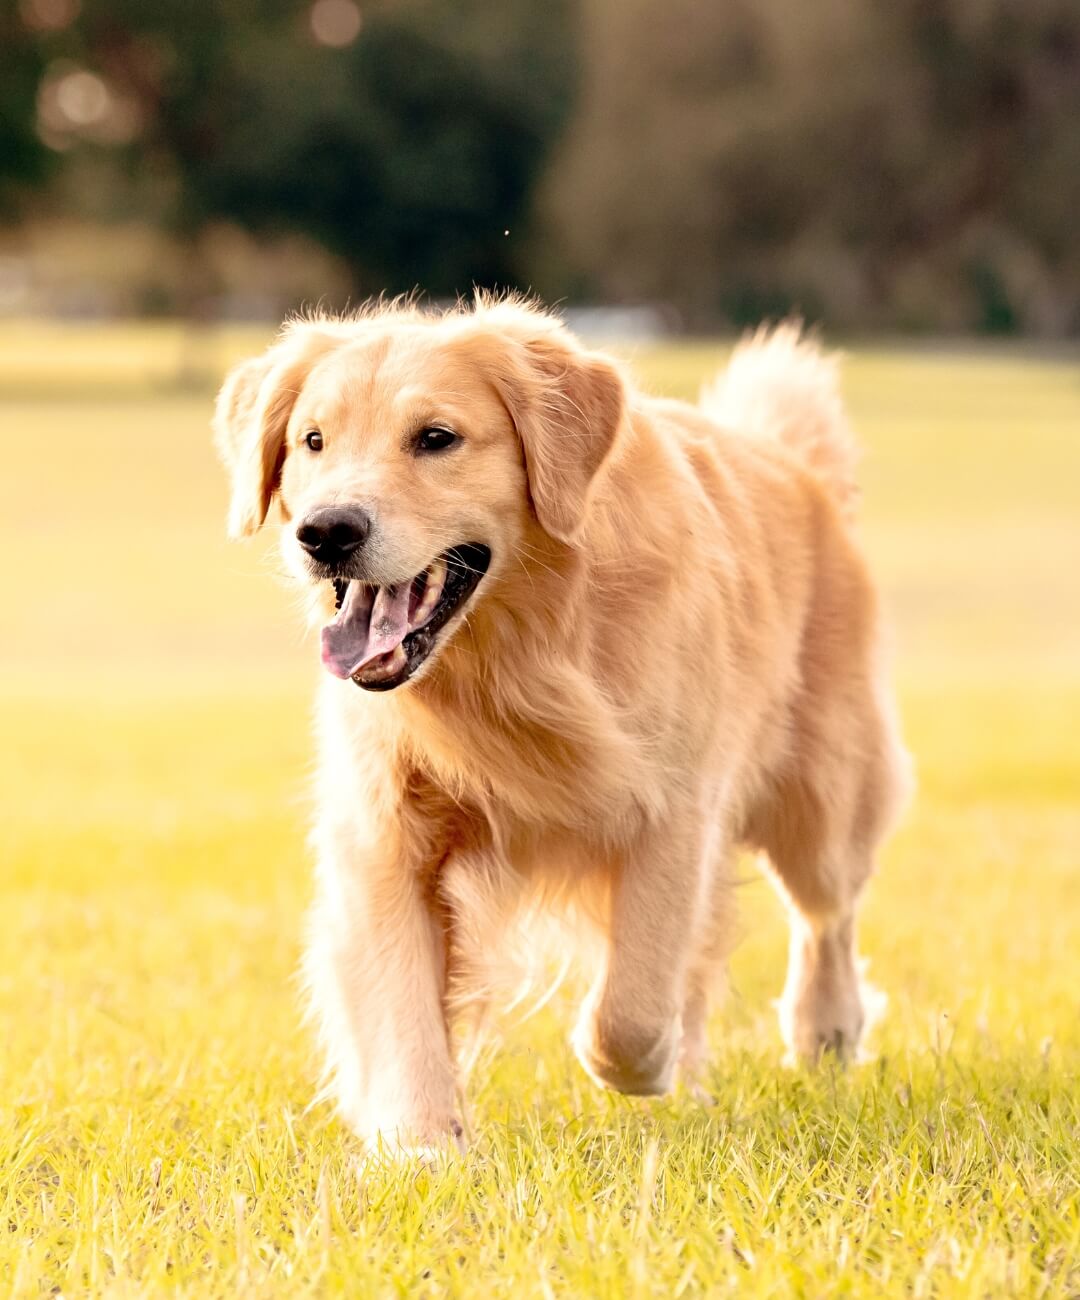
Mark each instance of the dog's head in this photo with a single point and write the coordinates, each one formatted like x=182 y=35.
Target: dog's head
x=413 y=458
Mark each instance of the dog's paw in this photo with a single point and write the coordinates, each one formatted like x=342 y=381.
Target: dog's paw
x=432 y=1147
x=819 y=1046
x=817 y=1032
x=818 y=1027
x=628 y=1058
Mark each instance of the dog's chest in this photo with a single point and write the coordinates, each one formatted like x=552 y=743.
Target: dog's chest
x=529 y=774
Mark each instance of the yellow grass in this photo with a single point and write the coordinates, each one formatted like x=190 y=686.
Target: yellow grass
x=155 y=1079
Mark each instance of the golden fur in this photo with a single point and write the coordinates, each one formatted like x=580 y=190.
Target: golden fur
x=676 y=652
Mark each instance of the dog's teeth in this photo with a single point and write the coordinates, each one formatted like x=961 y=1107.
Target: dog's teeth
x=423 y=610
x=387 y=665
x=436 y=577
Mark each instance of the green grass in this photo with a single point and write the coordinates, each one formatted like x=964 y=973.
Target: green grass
x=155 y=1079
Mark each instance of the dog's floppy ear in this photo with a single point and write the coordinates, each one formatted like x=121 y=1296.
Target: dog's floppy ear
x=249 y=423
x=567 y=406
x=568 y=431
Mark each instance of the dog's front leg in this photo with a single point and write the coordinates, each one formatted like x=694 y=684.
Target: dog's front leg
x=375 y=968
x=629 y=1031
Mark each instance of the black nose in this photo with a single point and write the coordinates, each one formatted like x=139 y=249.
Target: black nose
x=330 y=535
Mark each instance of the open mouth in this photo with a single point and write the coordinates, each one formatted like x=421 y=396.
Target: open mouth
x=381 y=635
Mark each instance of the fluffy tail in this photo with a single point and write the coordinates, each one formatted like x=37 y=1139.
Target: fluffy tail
x=780 y=385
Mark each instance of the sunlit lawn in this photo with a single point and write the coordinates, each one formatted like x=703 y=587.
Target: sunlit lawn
x=155 y=1078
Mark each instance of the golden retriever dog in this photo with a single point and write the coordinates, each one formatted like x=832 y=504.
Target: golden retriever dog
x=581 y=645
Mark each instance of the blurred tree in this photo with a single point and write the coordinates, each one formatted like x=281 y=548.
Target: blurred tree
x=410 y=158
x=913 y=164
x=24 y=159
x=409 y=148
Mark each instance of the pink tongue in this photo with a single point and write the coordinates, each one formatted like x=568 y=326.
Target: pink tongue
x=372 y=621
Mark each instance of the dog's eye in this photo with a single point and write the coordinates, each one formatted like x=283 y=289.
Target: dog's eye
x=313 y=440
x=435 y=439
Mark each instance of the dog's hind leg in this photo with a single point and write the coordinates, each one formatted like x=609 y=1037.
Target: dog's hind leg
x=820 y=842
x=818 y=876
x=822 y=1009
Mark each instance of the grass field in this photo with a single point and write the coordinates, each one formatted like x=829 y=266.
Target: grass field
x=155 y=1079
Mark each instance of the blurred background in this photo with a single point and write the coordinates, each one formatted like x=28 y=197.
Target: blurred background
x=175 y=175
x=893 y=168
